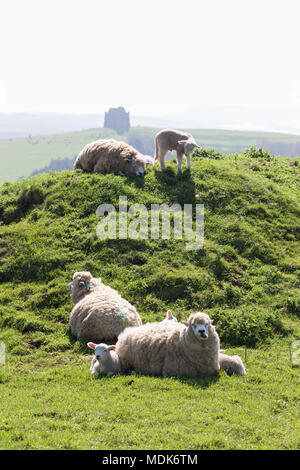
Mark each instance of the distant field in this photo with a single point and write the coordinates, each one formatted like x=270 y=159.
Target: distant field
x=20 y=157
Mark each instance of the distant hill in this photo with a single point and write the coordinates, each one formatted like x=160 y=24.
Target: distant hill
x=239 y=118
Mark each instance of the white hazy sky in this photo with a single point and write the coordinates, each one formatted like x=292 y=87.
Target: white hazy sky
x=154 y=57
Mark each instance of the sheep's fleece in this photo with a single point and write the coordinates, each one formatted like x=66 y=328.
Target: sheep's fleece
x=99 y=312
x=192 y=350
x=112 y=156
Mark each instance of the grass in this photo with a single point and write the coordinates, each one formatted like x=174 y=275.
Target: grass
x=246 y=277
x=52 y=402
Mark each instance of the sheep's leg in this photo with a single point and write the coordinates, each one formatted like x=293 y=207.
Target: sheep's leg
x=95 y=366
x=231 y=364
x=161 y=159
x=188 y=160
x=93 y=362
x=179 y=160
x=98 y=168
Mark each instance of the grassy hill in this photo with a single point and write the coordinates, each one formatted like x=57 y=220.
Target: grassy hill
x=246 y=277
x=22 y=156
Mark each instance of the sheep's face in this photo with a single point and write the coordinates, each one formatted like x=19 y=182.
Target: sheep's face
x=200 y=324
x=101 y=351
x=134 y=165
x=80 y=283
x=189 y=147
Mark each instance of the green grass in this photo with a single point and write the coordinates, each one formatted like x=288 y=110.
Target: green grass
x=246 y=277
x=52 y=402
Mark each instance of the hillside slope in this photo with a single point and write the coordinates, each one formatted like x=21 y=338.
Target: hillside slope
x=246 y=276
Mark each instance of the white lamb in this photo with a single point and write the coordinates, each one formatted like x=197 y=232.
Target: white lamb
x=193 y=350
x=99 y=312
x=105 y=359
x=168 y=140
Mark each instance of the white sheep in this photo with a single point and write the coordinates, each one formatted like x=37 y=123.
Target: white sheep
x=193 y=350
x=105 y=359
x=99 y=312
x=111 y=156
x=170 y=139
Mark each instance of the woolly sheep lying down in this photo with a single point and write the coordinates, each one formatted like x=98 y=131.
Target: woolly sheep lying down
x=112 y=156
x=105 y=360
x=192 y=350
x=99 y=312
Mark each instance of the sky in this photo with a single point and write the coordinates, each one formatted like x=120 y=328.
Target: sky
x=155 y=57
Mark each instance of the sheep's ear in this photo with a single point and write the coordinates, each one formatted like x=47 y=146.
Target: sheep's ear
x=186 y=323
x=111 y=348
x=92 y=345
x=169 y=314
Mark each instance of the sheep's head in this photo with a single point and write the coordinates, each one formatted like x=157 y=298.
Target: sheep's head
x=81 y=285
x=200 y=324
x=189 y=146
x=134 y=164
x=101 y=351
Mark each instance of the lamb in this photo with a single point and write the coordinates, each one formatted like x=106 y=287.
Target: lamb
x=169 y=139
x=105 y=360
x=111 y=156
x=99 y=312
x=193 y=350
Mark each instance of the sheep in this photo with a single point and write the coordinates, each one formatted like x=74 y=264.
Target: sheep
x=111 y=156
x=105 y=360
x=157 y=349
x=169 y=139
x=99 y=312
